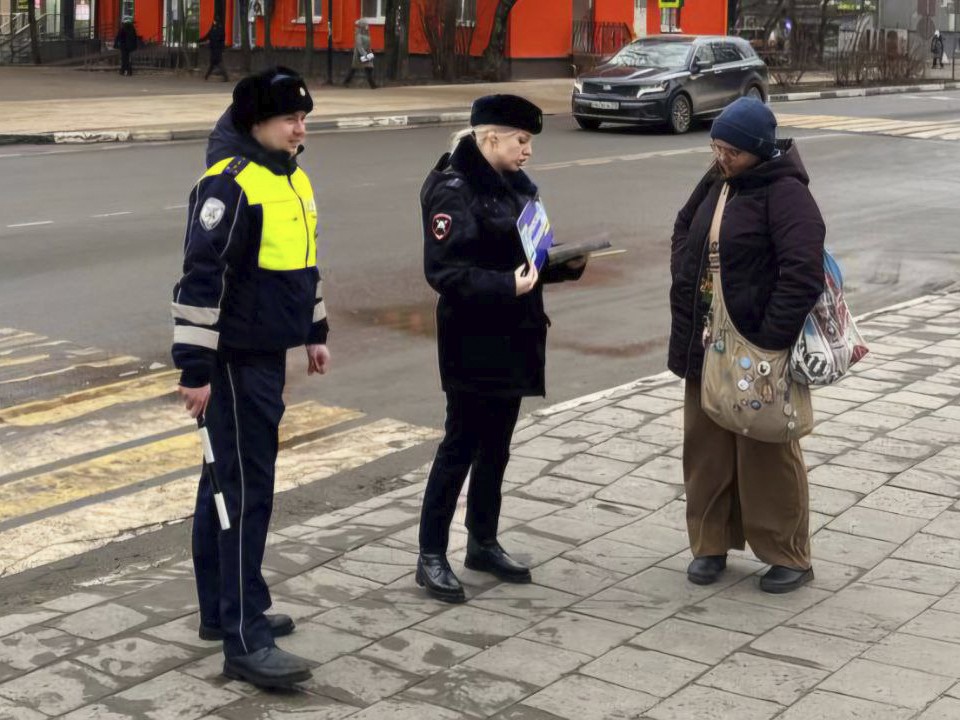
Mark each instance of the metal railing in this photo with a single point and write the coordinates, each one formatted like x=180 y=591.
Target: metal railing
x=599 y=38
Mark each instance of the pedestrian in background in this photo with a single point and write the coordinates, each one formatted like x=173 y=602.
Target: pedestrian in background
x=250 y=290
x=217 y=40
x=126 y=42
x=936 y=49
x=491 y=330
x=362 y=53
x=770 y=254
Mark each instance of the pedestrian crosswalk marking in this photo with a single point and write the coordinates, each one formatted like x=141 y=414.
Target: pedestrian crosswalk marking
x=84 y=468
x=132 y=466
x=84 y=402
x=6 y=362
x=87 y=528
x=916 y=129
x=95 y=365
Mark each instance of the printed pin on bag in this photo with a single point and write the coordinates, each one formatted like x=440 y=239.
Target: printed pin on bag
x=829 y=343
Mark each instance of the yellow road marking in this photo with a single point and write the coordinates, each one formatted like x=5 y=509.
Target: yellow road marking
x=141 y=463
x=29 y=359
x=96 y=365
x=93 y=526
x=84 y=402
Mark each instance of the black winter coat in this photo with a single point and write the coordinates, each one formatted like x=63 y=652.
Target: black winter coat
x=771 y=258
x=126 y=39
x=490 y=341
x=218 y=40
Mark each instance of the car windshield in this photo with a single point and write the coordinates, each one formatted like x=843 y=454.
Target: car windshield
x=653 y=54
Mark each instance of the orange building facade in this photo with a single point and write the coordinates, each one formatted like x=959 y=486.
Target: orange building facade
x=696 y=17
x=538 y=29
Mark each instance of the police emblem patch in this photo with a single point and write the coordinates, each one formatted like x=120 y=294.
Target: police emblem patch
x=211 y=213
x=441 y=225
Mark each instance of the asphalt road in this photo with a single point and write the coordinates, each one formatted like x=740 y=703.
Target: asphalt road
x=90 y=246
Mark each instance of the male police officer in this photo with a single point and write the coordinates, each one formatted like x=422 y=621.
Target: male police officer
x=250 y=290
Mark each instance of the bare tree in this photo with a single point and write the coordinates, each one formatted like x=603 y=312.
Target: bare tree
x=34 y=33
x=308 y=45
x=493 y=55
x=244 y=11
x=438 y=19
x=396 y=38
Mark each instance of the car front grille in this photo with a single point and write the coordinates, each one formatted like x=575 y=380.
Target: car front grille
x=595 y=88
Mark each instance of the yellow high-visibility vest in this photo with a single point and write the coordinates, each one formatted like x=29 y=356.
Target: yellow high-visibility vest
x=288 y=238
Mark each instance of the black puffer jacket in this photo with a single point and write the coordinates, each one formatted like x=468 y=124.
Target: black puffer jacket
x=490 y=341
x=771 y=258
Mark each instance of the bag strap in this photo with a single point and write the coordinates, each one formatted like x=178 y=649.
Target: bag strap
x=713 y=242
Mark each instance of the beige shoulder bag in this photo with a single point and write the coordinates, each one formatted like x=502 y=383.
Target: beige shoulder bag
x=746 y=389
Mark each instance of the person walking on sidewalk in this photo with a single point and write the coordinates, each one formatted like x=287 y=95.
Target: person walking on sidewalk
x=936 y=49
x=771 y=259
x=362 y=53
x=217 y=39
x=250 y=290
x=126 y=42
x=491 y=330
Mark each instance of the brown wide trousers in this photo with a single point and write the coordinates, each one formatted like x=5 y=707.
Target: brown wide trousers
x=740 y=490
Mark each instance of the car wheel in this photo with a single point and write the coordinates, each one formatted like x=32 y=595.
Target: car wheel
x=588 y=123
x=754 y=92
x=681 y=114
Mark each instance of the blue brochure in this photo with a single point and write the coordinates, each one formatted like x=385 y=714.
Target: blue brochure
x=535 y=232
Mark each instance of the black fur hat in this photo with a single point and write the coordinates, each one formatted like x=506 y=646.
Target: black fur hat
x=276 y=91
x=509 y=111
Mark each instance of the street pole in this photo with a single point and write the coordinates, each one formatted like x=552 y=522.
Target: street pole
x=329 y=42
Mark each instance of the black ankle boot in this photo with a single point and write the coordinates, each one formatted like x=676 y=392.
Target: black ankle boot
x=707 y=569
x=436 y=576
x=780 y=579
x=490 y=557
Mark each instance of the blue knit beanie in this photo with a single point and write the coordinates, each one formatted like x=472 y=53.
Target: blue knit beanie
x=749 y=125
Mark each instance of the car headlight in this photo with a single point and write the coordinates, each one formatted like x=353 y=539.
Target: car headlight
x=578 y=86
x=649 y=89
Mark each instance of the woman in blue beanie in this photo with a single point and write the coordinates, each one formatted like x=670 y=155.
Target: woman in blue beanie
x=770 y=254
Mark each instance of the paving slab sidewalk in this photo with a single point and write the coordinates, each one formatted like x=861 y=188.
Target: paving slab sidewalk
x=610 y=627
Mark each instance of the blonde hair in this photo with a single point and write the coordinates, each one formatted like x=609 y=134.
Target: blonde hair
x=482 y=133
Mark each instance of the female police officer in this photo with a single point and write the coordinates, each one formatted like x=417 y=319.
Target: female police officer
x=491 y=330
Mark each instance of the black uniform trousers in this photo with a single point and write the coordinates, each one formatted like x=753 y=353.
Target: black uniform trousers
x=243 y=417
x=126 y=67
x=477 y=435
x=216 y=65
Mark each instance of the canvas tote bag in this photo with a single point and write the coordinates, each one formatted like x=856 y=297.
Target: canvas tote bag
x=744 y=388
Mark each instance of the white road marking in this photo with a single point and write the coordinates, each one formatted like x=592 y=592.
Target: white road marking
x=31 y=224
x=113 y=214
x=176 y=207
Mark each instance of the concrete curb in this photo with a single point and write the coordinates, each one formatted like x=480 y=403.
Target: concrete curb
x=864 y=92
x=368 y=122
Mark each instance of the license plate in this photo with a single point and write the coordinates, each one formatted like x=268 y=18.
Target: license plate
x=601 y=105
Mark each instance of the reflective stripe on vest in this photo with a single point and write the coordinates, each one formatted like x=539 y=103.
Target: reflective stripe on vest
x=288 y=237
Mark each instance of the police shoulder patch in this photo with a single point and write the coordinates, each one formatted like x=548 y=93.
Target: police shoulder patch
x=211 y=213
x=441 y=225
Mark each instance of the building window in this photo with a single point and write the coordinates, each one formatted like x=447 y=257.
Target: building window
x=669 y=20
x=467 y=12
x=374 y=9
x=302 y=6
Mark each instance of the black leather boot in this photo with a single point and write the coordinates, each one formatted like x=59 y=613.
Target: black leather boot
x=707 y=569
x=490 y=557
x=436 y=576
x=268 y=668
x=280 y=625
x=780 y=579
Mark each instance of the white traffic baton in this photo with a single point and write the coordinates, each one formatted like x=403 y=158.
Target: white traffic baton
x=209 y=467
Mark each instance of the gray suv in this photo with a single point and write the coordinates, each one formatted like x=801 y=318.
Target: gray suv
x=669 y=80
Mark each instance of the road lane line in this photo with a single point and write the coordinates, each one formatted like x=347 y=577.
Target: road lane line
x=95 y=525
x=83 y=402
x=113 y=214
x=6 y=362
x=31 y=224
x=142 y=463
